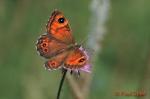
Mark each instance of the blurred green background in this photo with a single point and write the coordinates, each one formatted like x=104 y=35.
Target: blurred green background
x=122 y=65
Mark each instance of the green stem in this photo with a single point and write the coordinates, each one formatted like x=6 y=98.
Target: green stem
x=61 y=83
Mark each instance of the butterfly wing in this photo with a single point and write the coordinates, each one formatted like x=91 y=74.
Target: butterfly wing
x=48 y=47
x=76 y=59
x=58 y=28
x=57 y=61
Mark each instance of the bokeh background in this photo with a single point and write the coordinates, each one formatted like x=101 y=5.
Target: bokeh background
x=122 y=64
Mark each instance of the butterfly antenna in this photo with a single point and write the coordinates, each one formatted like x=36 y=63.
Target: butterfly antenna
x=83 y=41
x=61 y=82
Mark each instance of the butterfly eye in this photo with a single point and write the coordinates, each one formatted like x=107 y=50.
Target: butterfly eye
x=61 y=20
x=81 y=60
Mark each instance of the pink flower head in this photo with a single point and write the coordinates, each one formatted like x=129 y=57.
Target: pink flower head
x=87 y=66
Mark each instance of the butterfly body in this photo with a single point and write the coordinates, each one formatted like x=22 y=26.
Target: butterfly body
x=58 y=46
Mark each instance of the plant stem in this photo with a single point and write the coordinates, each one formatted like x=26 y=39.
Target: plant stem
x=61 y=83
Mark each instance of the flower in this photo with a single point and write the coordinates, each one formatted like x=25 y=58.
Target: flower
x=87 y=66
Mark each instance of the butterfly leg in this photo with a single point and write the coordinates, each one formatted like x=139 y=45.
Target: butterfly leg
x=78 y=73
x=71 y=72
x=63 y=70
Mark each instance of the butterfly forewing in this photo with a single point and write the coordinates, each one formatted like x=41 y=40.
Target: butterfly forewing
x=58 y=27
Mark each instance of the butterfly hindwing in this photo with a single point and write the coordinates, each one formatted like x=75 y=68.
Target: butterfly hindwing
x=57 y=61
x=76 y=59
x=58 y=28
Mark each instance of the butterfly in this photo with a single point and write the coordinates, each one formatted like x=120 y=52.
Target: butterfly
x=58 y=46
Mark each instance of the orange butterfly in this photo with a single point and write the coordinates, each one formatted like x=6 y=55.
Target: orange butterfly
x=59 y=47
